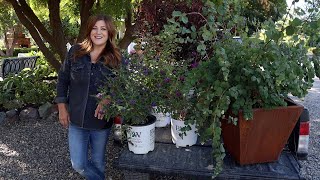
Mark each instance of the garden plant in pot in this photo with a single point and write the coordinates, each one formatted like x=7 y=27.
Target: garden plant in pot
x=233 y=80
x=167 y=81
x=183 y=132
x=138 y=90
x=131 y=98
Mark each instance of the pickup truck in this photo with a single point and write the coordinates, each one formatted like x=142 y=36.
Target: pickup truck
x=195 y=162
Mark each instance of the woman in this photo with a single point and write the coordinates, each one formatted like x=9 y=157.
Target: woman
x=85 y=69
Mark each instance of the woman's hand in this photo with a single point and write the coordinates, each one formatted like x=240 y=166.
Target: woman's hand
x=99 y=112
x=64 y=117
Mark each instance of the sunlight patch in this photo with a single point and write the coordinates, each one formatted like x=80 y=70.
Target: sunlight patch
x=5 y=150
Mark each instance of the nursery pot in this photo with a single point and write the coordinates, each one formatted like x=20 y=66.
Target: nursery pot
x=162 y=119
x=263 y=138
x=180 y=139
x=141 y=138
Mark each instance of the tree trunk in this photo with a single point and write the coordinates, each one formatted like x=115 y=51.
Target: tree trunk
x=2 y=53
x=129 y=33
x=5 y=43
x=127 y=39
x=10 y=47
x=38 y=30
x=85 y=7
x=57 y=31
x=32 y=24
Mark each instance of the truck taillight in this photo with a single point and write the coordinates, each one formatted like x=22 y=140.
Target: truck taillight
x=304 y=130
x=303 y=144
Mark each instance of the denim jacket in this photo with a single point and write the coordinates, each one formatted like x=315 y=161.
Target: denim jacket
x=78 y=84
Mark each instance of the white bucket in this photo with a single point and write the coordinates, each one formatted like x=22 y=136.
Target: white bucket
x=186 y=140
x=141 y=139
x=162 y=119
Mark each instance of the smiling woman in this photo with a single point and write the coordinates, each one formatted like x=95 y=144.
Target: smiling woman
x=99 y=37
x=87 y=67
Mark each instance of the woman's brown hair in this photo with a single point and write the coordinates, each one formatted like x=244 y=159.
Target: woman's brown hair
x=111 y=53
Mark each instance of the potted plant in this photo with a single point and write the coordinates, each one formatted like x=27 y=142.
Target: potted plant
x=132 y=99
x=167 y=82
x=138 y=90
x=183 y=132
x=231 y=79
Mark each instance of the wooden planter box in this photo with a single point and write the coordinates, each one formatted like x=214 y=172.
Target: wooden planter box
x=263 y=138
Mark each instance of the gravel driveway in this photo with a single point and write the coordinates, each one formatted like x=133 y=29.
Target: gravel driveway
x=33 y=149
x=311 y=167
x=37 y=150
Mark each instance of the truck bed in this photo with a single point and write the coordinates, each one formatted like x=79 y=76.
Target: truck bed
x=197 y=162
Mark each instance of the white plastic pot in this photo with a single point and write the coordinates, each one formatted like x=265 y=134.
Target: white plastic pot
x=141 y=139
x=178 y=136
x=162 y=119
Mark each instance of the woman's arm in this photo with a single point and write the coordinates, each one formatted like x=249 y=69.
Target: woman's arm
x=64 y=117
x=63 y=88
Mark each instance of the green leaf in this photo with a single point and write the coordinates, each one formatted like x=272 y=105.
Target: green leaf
x=193 y=29
x=296 y=22
x=218 y=90
x=314 y=25
x=171 y=21
x=207 y=35
x=201 y=47
x=176 y=13
x=290 y=30
x=222 y=148
x=8 y=86
x=184 y=19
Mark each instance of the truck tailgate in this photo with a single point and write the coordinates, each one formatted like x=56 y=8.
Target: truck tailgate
x=196 y=161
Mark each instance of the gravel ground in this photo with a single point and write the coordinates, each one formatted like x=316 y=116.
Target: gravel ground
x=39 y=150
x=33 y=149
x=311 y=167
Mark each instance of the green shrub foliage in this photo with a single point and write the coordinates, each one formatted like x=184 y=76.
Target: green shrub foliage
x=28 y=88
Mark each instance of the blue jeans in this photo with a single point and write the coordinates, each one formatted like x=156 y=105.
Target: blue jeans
x=80 y=140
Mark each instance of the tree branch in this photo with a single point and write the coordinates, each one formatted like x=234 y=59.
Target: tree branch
x=35 y=35
x=28 y=12
x=85 y=7
x=129 y=33
x=56 y=26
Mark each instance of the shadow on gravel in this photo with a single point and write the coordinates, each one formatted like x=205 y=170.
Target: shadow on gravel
x=38 y=149
x=34 y=150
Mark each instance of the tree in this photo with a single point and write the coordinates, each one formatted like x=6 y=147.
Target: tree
x=8 y=19
x=120 y=10
x=53 y=31
x=257 y=11
x=40 y=33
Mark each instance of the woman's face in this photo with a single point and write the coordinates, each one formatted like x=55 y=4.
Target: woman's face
x=99 y=34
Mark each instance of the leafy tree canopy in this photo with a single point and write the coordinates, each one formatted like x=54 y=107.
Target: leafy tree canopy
x=60 y=21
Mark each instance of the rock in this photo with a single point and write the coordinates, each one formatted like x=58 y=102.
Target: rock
x=29 y=114
x=45 y=110
x=11 y=113
x=12 y=120
x=53 y=117
x=2 y=117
